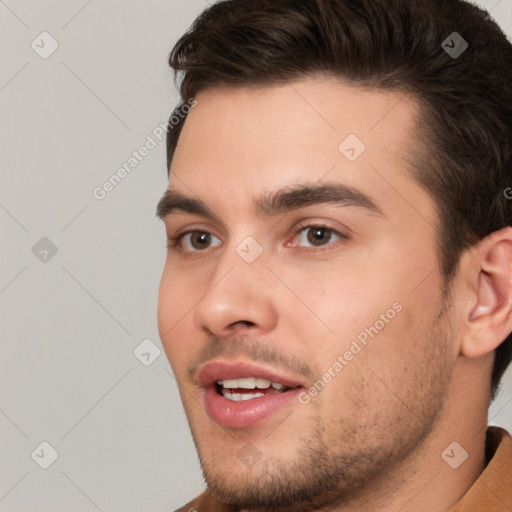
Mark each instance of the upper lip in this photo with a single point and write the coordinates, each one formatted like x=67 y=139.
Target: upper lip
x=223 y=370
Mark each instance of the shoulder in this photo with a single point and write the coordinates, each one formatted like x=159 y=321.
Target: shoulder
x=493 y=488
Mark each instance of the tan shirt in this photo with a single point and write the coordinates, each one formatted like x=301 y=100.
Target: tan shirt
x=491 y=492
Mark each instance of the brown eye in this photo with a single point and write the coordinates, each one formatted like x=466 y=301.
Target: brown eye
x=194 y=241
x=200 y=240
x=317 y=236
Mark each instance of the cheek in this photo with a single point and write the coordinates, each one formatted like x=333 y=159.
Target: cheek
x=346 y=299
x=180 y=290
x=166 y=303
x=376 y=303
x=176 y=299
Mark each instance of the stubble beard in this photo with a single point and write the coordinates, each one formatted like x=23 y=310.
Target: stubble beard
x=340 y=461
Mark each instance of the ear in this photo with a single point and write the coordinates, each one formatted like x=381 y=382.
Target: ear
x=489 y=316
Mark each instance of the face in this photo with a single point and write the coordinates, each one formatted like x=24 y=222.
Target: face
x=300 y=301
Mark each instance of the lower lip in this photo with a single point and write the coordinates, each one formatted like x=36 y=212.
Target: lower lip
x=246 y=413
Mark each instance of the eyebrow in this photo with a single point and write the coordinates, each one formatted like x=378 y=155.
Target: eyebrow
x=174 y=201
x=275 y=203
x=302 y=196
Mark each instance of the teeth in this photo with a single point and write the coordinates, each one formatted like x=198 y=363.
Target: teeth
x=228 y=385
x=262 y=383
x=249 y=383
x=238 y=397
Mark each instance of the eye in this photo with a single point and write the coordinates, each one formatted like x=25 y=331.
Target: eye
x=194 y=241
x=317 y=236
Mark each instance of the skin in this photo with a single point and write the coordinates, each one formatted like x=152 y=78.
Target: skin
x=372 y=439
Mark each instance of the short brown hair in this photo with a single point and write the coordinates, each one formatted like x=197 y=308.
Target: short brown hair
x=465 y=131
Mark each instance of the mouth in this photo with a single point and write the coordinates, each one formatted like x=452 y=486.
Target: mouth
x=241 y=394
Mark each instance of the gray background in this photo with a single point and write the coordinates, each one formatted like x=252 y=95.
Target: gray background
x=72 y=320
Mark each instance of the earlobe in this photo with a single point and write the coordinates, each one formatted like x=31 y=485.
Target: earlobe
x=489 y=320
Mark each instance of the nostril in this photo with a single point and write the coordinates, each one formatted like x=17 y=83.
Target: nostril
x=246 y=323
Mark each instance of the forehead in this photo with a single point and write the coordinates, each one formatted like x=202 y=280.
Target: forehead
x=240 y=142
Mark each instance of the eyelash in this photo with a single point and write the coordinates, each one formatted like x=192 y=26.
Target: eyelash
x=174 y=242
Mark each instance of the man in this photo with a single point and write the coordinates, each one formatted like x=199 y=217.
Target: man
x=336 y=301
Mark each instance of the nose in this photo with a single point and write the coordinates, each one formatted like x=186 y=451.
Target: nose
x=239 y=298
